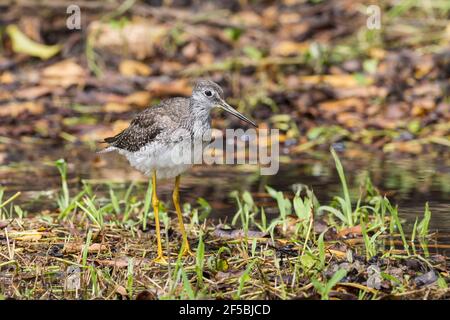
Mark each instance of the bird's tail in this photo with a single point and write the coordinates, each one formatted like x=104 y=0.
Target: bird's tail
x=106 y=150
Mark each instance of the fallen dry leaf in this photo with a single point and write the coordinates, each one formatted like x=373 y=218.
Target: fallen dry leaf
x=63 y=74
x=122 y=262
x=137 y=38
x=377 y=53
x=171 y=67
x=289 y=48
x=31 y=26
x=291 y=226
x=190 y=51
x=173 y=88
x=413 y=147
x=227 y=275
x=205 y=58
x=334 y=80
x=7 y=78
x=5 y=95
x=78 y=247
x=115 y=107
x=121 y=290
x=237 y=233
x=32 y=92
x=131 y=68
x=15 y=108
x=140 y=99
x=337 y=253
x=356 y=230
x=350 y=119
x=98 y=133
x=247 y=18
x=4 y=224
x=337 y=106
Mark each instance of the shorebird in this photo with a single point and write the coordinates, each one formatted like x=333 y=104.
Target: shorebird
x=158 y=138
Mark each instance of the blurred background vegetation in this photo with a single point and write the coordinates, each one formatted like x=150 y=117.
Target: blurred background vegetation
x=312 y=69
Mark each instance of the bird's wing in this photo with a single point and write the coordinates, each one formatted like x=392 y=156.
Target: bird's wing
x=144 y=128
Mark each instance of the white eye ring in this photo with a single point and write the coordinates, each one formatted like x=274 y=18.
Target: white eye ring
x=208 y=93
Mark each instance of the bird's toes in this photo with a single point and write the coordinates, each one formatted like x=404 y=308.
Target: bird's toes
x=160 y=260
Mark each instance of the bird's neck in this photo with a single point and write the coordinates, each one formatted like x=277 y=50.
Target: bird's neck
x=200 y=115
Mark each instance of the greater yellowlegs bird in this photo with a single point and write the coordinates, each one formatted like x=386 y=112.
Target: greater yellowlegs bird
x=158 y=138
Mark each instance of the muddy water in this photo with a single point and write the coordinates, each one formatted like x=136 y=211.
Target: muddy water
x=408 y=181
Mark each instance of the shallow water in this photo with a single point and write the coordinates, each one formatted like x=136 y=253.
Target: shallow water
x=408 y=181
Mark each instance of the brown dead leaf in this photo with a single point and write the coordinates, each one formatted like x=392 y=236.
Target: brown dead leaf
x=98 y=133
x=121 y=290
x=63 y=74
x=433 y=89
x=337 y=253
x=173 y=88
x=247 y=18
x=289 y=48
x=334 y=80
x=413 y=147
x=293 y=29
x=115 y=107
x=424 y=68
x=236 y=233
x=31 y=26
x=170 y=67
x=137 y=38
x=356 y=230
x=4 y=224
x=42 y=126
x=422 y=106
x=361 y=92
x=289 y=17
x=337 y=106
x=396 y=110
x=270 y=17
x=120 y=125
x=227 y=275
x=205 y=58
x=5 y=95
x=140 y=99
x=377 y=53
x=7 y=78
x=350 y=119
x=131 y=68
x=190 y=51
x=381 y=122
x=78 y=247
x=32 y=92
x=15 y=108
x=290 y=228
x=122 y=262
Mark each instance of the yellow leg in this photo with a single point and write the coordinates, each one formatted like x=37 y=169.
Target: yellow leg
x=155 y=202
x=176 y=202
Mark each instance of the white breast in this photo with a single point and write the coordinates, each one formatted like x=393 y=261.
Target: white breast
x=171 y=155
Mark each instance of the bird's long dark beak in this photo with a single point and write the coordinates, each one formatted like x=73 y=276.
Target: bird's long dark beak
x=225 y=106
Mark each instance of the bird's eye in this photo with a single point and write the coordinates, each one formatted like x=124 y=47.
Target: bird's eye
x=208 y=93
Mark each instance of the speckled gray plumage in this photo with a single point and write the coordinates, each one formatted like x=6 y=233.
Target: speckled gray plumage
x=153 y=122
x=159 y=121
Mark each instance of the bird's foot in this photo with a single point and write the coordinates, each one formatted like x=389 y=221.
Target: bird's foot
x=187 y=252
x=160 y=260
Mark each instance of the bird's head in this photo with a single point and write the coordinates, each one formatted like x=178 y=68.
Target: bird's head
x=210 y=95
